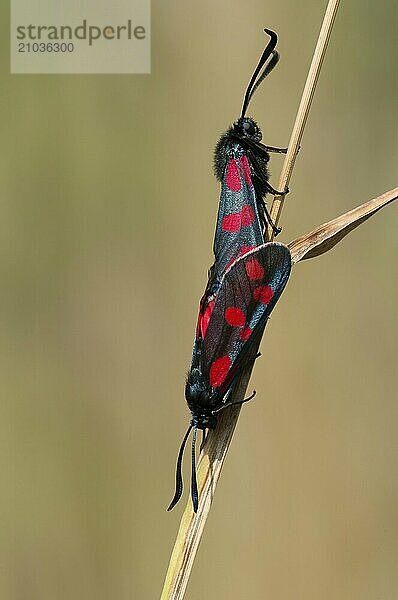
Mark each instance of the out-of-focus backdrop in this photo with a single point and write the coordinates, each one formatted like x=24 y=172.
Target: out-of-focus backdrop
x=108 y=204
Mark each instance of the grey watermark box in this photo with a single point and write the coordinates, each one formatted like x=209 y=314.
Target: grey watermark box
x=71 y=36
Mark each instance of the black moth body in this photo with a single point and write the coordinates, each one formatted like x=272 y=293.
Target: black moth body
x=247 y=277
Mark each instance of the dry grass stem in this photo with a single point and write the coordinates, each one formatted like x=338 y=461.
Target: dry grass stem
x=303 y=110
x=324 y=237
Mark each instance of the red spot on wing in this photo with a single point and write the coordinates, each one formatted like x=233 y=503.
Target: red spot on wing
x=232 y=177
x=235 y=316
x=246 y=169
x=246 y=333
x=248 y=215
x=263 y=294
x=245 y=250
x=232 y=223
x=254 y=270
x=219 y=370
x=204 y=323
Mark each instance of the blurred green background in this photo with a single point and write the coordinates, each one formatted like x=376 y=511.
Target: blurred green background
x=108 y=206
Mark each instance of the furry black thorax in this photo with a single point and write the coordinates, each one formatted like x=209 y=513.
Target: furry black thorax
x=244 y=137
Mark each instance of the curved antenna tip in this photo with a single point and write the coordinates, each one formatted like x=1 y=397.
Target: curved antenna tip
x=179 y=484
x=270 y=32
x=257 y=76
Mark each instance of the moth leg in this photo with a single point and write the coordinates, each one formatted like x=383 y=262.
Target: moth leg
x=274 y=227
x=234 y=403
x=275 y=192
x=276 y=149
x=245 y=400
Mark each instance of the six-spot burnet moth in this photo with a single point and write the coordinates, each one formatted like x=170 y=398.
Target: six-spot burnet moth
x=247 y=277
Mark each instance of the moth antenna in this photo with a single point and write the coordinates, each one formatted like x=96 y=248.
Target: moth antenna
x=256 y=78
x=194 y=484
x=267 y=70
x=179 y=484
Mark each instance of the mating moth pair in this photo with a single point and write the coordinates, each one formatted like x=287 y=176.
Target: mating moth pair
x=247 y=277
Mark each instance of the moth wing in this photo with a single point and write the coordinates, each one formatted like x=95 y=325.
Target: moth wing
x=238 y=228
x=248 y=293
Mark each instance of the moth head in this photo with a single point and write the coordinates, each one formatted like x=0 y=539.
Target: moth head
x=246 y=128
x=204 y=421
x=200 y=400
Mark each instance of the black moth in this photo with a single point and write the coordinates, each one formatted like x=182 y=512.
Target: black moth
x=247 y=277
